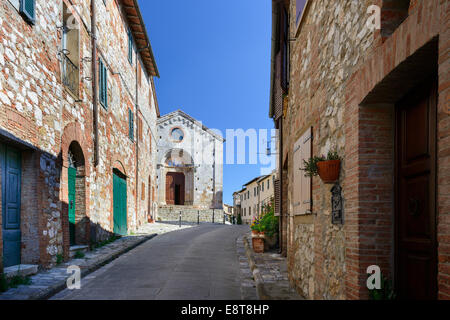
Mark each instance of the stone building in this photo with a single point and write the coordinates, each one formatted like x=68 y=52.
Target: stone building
x=190 y=168
x=379 y=97
x=77 y=125
x=255 y=195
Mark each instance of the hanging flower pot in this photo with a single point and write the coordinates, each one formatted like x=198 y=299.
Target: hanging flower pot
x=329 y=170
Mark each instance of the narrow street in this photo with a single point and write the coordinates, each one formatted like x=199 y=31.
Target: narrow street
x=197 y=264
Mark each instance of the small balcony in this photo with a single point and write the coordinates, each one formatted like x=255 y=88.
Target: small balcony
x=70 y=75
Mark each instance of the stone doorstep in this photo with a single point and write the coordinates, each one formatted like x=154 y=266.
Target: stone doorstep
x=23 y=270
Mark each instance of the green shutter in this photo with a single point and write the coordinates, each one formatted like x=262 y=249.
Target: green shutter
x=103 y=84
x=131 y=124
x=27 y=9
x=105 y=87
x=130 y=46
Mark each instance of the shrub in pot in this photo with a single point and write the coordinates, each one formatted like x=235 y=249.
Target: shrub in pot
x=327 y=168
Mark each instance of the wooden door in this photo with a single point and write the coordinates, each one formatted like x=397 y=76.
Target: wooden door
x=175 y=188
x=416 y=246
x=72 y=176
x=120 y=204
x=170 y=189
x=10 y=161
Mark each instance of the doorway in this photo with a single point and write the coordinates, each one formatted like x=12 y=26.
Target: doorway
x=415 y=214
x=120 y=203
x=175 y=188
x=11 y=166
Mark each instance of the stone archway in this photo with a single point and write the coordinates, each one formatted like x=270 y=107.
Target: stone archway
x=178 y=173
x=79 y=224
x=73 y=143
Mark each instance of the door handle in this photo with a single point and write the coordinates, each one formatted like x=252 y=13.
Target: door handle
x=71 y=204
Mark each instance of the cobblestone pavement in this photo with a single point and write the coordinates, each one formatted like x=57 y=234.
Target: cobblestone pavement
x=248 y=286
x=48 y=282
x=271 y=268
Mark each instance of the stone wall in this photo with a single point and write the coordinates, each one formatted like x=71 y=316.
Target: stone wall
x=189 y=214
x=40 y=114
x=336 y=61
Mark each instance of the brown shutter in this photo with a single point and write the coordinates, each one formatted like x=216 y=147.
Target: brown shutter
x=277 y=191
x=301 y=192
x=278 y=90
x=140 y=128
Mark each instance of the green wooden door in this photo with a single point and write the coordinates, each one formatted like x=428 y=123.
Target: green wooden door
x=72 y=176
x=120 y=204
x=11 y=166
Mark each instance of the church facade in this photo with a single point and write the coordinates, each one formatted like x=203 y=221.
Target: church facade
x=189 y=167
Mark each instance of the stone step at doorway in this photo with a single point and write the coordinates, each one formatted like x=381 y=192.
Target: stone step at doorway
x=75 y=249
x=23 y=270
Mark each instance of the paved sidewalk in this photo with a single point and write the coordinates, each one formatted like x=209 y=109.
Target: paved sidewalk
x=48 y=282
x=248 y=285
x=270 y=274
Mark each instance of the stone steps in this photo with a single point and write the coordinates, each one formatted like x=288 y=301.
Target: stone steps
x=23 y=270
x=75 y=249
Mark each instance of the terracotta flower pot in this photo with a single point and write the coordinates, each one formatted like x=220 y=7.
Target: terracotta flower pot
x=329 y=170
x=258 y=245
x=254 y=232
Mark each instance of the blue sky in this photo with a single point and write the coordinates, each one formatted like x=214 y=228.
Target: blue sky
x=214 y=60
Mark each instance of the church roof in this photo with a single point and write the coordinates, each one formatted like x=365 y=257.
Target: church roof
x=173 y=114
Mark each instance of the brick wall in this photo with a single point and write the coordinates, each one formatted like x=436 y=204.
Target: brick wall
x=340 y=86
x=38 y=110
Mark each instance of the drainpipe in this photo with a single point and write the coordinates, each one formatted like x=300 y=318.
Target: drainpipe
x=137 y=139
x=94 y=82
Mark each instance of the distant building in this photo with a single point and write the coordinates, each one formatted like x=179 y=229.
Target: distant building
x=252 y=199
x=190 y=168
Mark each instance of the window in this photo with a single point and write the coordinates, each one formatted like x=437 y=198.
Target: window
x=130 y=125
x=70 y=57
x=27 y=10
x=143 y=191
x=268 y=184
x=262 y=187
x=103 y=84
x=130 y=46
x=302 y=202
x=177 y=134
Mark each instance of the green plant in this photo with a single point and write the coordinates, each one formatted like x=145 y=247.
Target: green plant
x=105 y=242
x=14 y=282
x=385 y=293
x=59 y=259
x=79 y=255
x=18 y=280
x=311 y=169
x=269 y=223
x=3 y=283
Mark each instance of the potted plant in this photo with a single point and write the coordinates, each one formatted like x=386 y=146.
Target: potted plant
x=257 y=237
x=327 y=168
x=270 y=225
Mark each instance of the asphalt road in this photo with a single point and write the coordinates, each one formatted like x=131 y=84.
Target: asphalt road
x=192 y=264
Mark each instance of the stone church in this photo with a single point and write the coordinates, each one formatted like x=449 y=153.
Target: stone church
x=189 y=169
